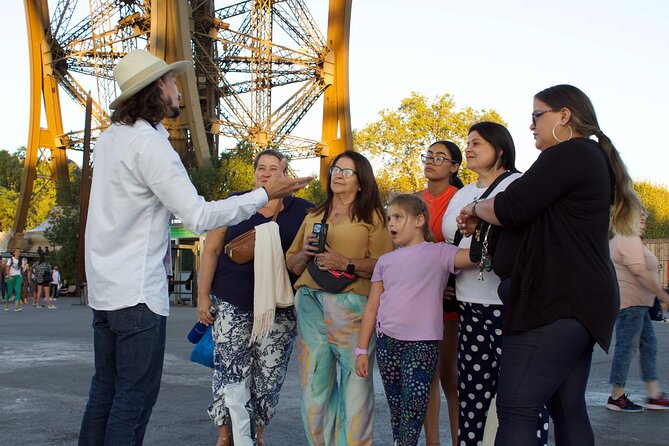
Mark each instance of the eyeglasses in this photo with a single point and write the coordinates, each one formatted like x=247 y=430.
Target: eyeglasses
x=538 y=114
x=347 y=173
x=436 y=160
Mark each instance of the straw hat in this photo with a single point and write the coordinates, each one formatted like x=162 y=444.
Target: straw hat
x=137 y=70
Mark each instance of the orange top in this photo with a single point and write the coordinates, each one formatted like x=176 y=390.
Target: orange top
x=437 y=207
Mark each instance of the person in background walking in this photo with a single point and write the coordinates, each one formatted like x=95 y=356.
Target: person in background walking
x=636 y=269
x=55 y=282
x=27 y=285
x=13 y=272
x=41 y=272
x=3 y=284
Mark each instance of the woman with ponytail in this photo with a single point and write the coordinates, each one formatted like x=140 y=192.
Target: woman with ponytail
x=562 y=297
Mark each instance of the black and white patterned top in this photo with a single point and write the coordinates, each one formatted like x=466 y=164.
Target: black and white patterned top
x=39 y=269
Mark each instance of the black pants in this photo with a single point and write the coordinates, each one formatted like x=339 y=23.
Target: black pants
x=547 y=366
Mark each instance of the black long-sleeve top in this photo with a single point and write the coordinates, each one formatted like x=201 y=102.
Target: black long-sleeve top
x=563 y=268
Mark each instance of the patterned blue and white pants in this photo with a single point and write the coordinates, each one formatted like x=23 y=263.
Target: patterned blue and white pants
x=261 y=366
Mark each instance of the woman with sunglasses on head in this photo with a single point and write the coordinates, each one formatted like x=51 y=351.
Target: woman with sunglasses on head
x=337 y=412
x=563 y=296
x=441 y=165
x=490 y=153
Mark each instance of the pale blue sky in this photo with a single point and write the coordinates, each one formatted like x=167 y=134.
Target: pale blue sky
x=487 y=53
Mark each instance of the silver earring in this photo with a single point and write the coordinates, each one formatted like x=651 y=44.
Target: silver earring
x=571 y=133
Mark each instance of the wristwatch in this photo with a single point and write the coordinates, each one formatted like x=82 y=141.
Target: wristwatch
x=350 y=268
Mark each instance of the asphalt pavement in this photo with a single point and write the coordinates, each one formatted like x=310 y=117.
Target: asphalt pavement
x=46 y=363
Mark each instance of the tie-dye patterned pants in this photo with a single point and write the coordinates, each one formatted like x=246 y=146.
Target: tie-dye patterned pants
x=337 y=408
x=261 y=367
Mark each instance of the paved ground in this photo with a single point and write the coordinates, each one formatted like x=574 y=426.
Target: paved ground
x=46 y=366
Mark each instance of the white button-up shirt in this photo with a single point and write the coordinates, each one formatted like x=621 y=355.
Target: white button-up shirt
x=138 y=182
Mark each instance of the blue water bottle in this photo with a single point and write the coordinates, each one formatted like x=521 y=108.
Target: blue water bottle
x=199 y=329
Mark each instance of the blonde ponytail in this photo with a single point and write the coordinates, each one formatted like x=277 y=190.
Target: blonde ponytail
x=627 y=207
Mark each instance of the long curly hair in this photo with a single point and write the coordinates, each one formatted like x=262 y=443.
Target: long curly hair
x=145 y=104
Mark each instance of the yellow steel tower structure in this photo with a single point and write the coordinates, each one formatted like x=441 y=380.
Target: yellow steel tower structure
x=259 y=66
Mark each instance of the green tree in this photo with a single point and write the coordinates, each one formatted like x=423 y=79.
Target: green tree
x=313 y=192
x=8 y=200
x=236 y=171
x=207 y=181
x=656 y=200
x=232 y=172
x=63 y=234
x=11 y=167
x=43 y=198
x=44 y=190
x=395 y=141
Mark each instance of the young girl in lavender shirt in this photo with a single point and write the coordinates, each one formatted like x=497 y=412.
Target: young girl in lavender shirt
x=405 y=308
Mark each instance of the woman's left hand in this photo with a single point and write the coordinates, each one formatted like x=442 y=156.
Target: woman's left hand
x=466 y=221
x=203 y=314
x=331 y=259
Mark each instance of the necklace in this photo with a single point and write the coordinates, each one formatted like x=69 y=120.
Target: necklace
x=338 y=213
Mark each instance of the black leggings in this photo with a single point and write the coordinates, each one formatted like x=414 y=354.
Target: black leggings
x=547 y=366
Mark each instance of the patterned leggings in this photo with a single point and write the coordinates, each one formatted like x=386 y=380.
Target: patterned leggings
x=407 y=369
x=479 y=355
x=260 y=366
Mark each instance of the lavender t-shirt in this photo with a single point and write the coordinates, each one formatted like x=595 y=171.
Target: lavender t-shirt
x=414 y=279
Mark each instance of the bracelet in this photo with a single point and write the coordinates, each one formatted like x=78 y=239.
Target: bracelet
x=474 y=208
x=360 y=351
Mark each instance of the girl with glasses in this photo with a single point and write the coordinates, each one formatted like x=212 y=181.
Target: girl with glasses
x=441 y=166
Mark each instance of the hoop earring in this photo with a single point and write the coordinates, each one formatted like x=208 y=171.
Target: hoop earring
x=571 y=133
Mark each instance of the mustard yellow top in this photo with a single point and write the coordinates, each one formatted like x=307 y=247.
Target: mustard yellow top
x=352 y=239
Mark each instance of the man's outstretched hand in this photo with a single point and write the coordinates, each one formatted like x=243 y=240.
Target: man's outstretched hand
x=280 y=186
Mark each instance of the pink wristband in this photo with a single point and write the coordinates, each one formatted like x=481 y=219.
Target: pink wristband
x=360 y=351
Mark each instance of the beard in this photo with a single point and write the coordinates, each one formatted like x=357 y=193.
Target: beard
x=173 y=112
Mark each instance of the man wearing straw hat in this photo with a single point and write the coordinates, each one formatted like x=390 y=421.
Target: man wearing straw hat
x=139 y=181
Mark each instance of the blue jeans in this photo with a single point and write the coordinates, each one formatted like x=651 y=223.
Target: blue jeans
x=129 y=348
x=634 y=330
x=547 y=366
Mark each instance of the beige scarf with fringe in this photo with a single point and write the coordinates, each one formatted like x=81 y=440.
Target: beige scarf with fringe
x=271 y=286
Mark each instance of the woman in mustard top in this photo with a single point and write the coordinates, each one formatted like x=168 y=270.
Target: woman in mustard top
x=328 y=324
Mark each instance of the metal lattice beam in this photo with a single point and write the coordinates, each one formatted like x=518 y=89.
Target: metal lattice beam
x=259 y=67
